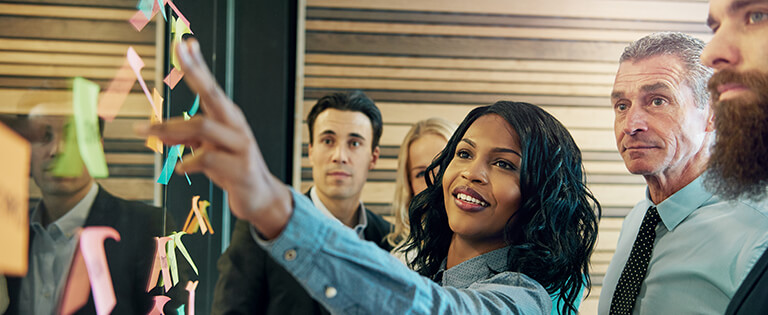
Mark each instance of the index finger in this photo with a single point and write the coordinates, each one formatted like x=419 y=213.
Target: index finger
x=214 y=101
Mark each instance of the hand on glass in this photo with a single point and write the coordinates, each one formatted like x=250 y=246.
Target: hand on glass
x=225 y=149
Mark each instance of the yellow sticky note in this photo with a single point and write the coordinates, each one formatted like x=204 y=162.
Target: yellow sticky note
x=69 y=163
x=85 y=96
x=153 y=142
x=14 y=185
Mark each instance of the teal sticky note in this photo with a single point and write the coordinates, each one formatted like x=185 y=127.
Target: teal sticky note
x=169 y=166
x=161 y=3
x=85 y=99
x=195 y=106
x=69 y=163
x=145 y=6
x=180 y=310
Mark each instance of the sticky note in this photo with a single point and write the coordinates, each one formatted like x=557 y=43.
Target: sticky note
x=160 y=263
x=117 y=91
x=78 y=287
x=85 y=95
x=169 y=166
x=200 y=213
x=179 y=29
x=195 y=106
x=69 y=163
x=173 y=78
x=153 y=142
x=92 y=247
x=146 y=8
x=178 y=13
x=14 y=185
x=136 y=64
x=180 y=310
x=191 y=287
x=161 y=5
x=159 y=303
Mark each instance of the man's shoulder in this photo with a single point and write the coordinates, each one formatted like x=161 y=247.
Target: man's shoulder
x=377 y=221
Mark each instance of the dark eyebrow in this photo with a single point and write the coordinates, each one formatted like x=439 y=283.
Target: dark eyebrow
x=654 y=87
x=327 y=132
x=356 y=135
x=733 y=8
x=499 y=149
x=615 y=95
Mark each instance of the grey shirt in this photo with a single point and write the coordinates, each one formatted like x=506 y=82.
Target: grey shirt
x=50 y=256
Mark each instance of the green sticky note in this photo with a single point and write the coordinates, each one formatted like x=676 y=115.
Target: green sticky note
x=85 y=97
x=69 y=163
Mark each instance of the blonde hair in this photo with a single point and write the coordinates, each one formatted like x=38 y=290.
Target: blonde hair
x=403 y=193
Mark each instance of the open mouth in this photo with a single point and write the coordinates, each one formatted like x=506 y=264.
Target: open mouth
x=472 y=200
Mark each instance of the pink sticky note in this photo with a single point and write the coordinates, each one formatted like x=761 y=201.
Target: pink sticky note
x=114 y=97
x=139 y=20
x=136 y=64
x=92 y=247
x=199 y=216
x=157 y=307
x=178 y=13
x=191 y=287
x=160 y=263
x=78 y=287
x=173 y=78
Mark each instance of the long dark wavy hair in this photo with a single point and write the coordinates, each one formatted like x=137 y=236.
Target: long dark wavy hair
x=553 y=232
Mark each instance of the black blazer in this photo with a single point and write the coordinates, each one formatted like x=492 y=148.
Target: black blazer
x=129 y=260
x=251 y=282
x=752 y=295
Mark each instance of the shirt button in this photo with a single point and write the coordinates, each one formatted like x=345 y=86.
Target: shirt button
x=290 y=255
x=330 y=292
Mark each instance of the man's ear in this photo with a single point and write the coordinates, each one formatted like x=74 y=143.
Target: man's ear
x=374 y=157
x=710 y=120
x=309 y=155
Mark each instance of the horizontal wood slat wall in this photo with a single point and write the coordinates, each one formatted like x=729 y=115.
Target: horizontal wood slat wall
x=45 y=43
x=419 y=59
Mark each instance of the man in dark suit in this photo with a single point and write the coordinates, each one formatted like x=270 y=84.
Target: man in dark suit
x=67 y=204
x=344 y=132
x=738 y=52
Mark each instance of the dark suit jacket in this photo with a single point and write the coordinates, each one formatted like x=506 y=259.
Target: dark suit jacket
x=129 y=259
x=251 y=282
x=752 y=295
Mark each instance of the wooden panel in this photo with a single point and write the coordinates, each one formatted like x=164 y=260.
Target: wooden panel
x=21 y=101
x=68 y=46
x=128 y=188
x=64 y=59
x=63 y=29
x=44 y=70
x=630 y=10
x=66 y=12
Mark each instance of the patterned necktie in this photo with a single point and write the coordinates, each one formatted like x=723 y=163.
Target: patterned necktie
x=637 y=264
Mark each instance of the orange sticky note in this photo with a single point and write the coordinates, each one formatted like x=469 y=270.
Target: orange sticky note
x=117 y=91
x=153 y=142
x=191 y=287
x=173 y=78
x=14 y=185
x=157 y=307
x=92 y=248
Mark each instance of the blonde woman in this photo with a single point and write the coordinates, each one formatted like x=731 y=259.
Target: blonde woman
x=421 y=145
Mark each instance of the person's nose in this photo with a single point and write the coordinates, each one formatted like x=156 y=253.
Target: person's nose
x=57 y=145
x=635 y=120
x=476 y=171
x=721 y=52
x=340 y=155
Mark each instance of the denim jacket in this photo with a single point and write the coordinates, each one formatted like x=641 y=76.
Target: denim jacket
x=351 y=276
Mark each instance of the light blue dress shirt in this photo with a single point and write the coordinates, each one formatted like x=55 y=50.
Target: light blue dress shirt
x=351 y=276
x=703 y=250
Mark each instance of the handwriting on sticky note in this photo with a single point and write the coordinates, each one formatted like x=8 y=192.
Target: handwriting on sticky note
x=92 y=247
x=159 y=303
x=160 y=262
x=191 y=287
x=117 y=91
x=85 y=95
x=14 y=226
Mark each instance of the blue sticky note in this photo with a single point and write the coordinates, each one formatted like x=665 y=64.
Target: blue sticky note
x=169 y=166
x=195 y=106
x=161 y=3
x=145 y=6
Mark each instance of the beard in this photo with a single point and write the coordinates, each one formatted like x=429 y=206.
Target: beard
x=738 y=166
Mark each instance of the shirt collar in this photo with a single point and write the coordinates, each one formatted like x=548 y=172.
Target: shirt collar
x=475 y=269
x=681 y=204
x=362 y=222
x=73 y=219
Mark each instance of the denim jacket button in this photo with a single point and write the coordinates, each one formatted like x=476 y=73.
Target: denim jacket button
x=290 y=255
x=330 y=292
